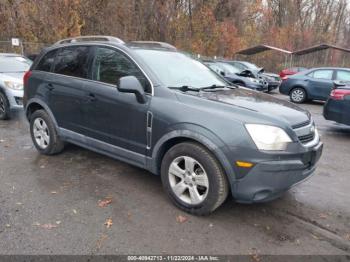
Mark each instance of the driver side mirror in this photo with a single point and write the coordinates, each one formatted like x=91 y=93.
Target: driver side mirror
x=130 y=84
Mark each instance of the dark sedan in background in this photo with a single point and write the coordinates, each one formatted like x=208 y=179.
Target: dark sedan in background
x=313 y=84
x=337 y=107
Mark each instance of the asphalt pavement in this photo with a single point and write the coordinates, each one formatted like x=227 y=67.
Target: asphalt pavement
x=81 y=202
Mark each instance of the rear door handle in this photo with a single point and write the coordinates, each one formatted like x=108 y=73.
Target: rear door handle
x=50 y=87
x=91 y=97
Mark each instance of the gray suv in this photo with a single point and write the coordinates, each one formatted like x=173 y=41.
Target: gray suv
x=151 y=106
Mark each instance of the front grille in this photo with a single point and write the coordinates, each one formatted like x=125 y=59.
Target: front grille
x=307 y=138
x=301 y=124
x=305 y=131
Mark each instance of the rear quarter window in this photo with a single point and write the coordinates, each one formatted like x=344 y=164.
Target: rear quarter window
x=72 y=61
x=46 y=62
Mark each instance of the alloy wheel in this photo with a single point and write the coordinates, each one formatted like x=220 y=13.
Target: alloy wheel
x=41 y=133
x=188 y=180
x=297 y=95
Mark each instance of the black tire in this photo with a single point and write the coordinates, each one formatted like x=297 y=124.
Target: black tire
x=218 y=184
x=5 y=113
x=298 y=95
x=55 y=145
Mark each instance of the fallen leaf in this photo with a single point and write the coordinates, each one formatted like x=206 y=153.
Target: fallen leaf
x=75 y=211
x=129 y=215
x=347 y=237
x=315 y=237
x=108 y=223
x=53 y=192
x=58 y=222
x=42 y=166
x=101 y=240
x=105 y=202
x=8 y=225
x=181 y=219
x=323 y=215
x=19 y=203
x=48 y=226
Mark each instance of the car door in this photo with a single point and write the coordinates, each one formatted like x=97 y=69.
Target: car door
x=320 y=83
x=66 y=85
x=115 y=118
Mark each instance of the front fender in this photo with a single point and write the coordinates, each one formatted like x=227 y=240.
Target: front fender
x=200 y=135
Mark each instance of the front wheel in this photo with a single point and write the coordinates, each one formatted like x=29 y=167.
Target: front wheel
x=298 y=95
x=4 y=107
x=193 y=178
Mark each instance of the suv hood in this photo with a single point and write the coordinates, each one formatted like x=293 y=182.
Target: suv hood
x=259 y=102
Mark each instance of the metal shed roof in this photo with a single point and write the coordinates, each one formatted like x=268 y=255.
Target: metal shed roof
x=319 y=48
x=261 y=48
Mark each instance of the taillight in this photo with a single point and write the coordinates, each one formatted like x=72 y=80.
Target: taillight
x=26 y=78
x=339 y=94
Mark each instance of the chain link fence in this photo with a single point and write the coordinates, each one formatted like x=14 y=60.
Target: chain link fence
x=24 y=48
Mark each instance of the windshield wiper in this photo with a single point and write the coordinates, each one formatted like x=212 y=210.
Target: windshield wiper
x=216 y=87
x=184 y=88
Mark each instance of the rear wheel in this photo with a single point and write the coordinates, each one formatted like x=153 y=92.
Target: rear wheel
x=4 y=107
x=193 y=178
x=298 y=95
x=44 y=134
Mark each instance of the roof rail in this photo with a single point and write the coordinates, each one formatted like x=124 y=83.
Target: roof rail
x=153 y=44
x=88 y=38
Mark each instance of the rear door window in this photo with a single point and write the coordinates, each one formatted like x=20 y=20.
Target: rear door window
x=72 y=61
x=47 y=61
x=322 y=74
x=343 y=75
x=110 y=65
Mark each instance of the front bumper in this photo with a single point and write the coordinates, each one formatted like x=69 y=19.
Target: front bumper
x=258 y=87
x=15 y=98
x=268 y=180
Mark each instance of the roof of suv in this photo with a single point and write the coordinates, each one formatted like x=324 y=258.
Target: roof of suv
x=110 y=40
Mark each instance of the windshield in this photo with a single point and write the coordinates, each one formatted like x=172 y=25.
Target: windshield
x=9 y=64
x=230 y=69
x=176 y=70
x=250 y=66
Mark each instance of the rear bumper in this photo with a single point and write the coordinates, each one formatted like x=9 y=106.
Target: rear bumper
x=268 y=180
x=337 y=111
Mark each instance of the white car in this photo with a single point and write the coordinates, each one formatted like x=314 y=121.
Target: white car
x=12 y=69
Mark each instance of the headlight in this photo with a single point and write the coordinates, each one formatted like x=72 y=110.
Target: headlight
x=254 y=80
x=268 y=137
x=13 y=85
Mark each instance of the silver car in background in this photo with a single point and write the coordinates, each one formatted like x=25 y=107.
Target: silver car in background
x=12 y=69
